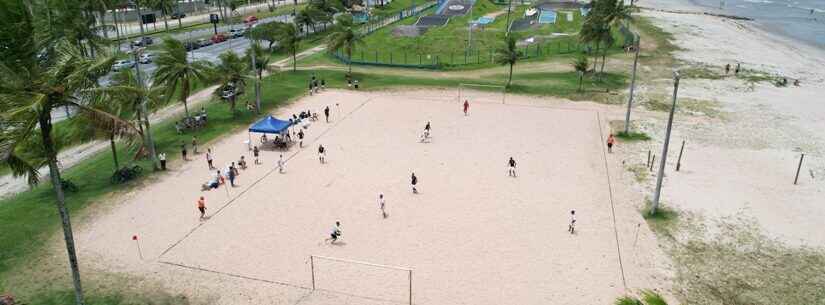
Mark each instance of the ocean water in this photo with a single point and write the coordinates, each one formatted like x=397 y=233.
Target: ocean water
x=803 y=20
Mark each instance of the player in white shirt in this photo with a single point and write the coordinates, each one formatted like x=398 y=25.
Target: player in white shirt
x=572 y=227
x=334 y=233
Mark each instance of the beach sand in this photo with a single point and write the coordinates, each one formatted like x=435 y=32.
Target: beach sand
x=472 y=236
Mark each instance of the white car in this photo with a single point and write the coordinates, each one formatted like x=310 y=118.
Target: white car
x=123 y=64
x=146 y=58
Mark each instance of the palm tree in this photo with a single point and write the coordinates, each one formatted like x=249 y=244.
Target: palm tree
x=344 y=36
x=580 y=65
x=230 y=74
x=649 y=297
x=176 y=73
x=305 y=19
x=165 y=7
x=123 y=98
x=35 y=78
x=257 y=63
x=508 y=55
x=290 y=40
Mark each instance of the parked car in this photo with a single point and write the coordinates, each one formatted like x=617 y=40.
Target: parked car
x=204 y=42
x=123 y=64
x=142 y=42
x=235 y=33
x=146 y=58
x=250 y=19
x=218 y=38
x=191 y=45
x=177 y=15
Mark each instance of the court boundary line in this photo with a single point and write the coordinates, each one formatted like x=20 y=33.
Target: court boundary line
x=267 y=174
x=610 y=192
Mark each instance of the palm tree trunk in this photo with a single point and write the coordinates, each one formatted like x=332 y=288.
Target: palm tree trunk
x=165 y=17
x=510 y=78
x=604 y=56
x=140 y=16
x=54 y=174
x=184 y=95
x=294 y=59
x=114 y=150
x=581 y=78
x=232 y=105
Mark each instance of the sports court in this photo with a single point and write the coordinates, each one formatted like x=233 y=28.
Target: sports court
x=472 y=236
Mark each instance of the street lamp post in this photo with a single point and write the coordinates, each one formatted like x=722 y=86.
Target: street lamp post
x=632 y=87
x=660 y=176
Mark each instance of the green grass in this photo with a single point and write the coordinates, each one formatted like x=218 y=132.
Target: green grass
x=663 y=220
x=632 y=136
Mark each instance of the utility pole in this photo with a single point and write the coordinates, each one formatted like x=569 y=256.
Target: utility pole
x=145 y=110
x=252 y=49
x=663 y=160
x=632 y=87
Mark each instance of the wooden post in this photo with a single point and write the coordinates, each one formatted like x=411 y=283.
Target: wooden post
x=798 y=168
x=648 y=159
x=410 y=287
x=651 y=162
x=679 y=162
x=312 y=266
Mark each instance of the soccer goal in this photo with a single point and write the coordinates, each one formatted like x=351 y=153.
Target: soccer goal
x=362 y=279
x=482 y=93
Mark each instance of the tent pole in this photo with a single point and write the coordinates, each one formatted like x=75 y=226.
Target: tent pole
x=249 y=144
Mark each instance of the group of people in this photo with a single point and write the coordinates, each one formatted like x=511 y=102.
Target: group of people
x=315 y=86
x=231 y=172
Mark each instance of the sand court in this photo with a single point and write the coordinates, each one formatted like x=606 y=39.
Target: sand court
x=472 y=235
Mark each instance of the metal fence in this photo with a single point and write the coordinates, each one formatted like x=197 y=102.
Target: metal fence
x=466 y=57
x=377 y=23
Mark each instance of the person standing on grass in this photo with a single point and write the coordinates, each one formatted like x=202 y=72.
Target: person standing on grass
x=301 y=138
x=202 y=207
x=322 y=154
x=162 y=158
x=281 y=164
x=414 y=181
x=256 y=152
x=727 y=69
x=610 y=141
x=194 y=145
x=310 y=88
x=334 y=233
x=323 y=84
x=381 y=205
x=466 y=107
x=209 y=158
x=736 y=71
x=183 y=151
x=326 y=113
x=512 y=165
x=572 y=227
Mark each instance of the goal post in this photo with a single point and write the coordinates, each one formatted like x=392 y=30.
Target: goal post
x=382 y=281
x=482 y=93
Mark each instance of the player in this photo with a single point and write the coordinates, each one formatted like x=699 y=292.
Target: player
x=322 y=154
x=326 y=113
x=281 y=164
x=202 y=207
x=572 y=227
x=414 y=181
x=512 y=171
x=256 y=152
x=610 y=141
x=382 y=204
x=209 y=158
x=334 y=233
x=301 y=138
x=466 y=107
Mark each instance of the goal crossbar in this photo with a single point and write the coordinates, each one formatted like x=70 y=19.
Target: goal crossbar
x=501 y=89
x=343 y=260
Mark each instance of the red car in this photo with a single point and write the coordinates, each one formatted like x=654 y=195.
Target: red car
x=250 y=20
x=218 y=38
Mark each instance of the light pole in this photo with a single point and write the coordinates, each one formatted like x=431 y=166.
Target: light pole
x=143 y=108
x=632 y=87
x=658 y=192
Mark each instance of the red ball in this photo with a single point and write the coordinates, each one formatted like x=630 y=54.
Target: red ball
x=134 y=237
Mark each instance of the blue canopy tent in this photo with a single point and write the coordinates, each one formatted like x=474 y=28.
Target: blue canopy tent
x=269 y=124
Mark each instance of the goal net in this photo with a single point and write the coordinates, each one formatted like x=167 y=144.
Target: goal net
x=362 y=279
x=475 y=93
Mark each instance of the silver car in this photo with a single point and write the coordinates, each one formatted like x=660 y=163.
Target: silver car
x=146 y=58
x=123 y=64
